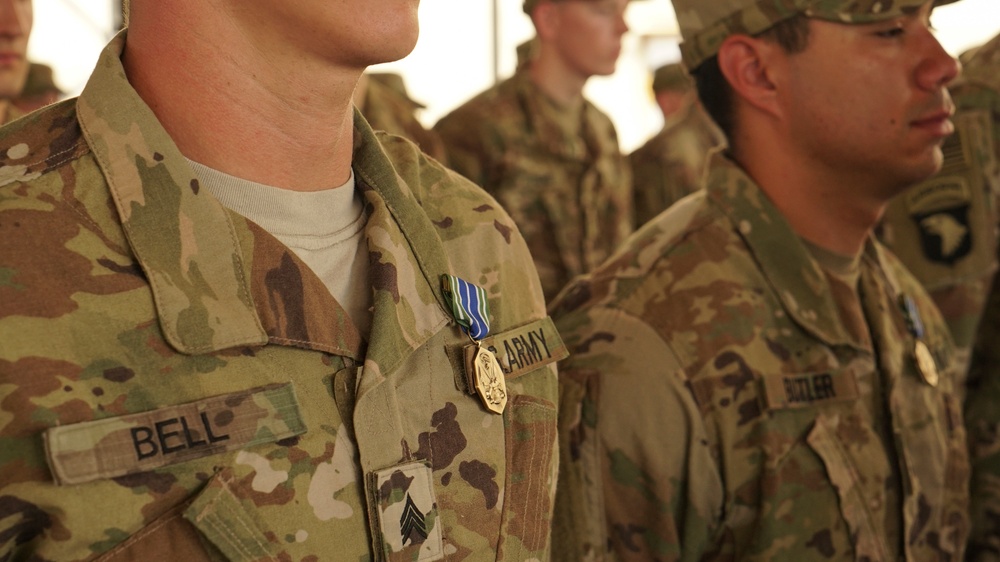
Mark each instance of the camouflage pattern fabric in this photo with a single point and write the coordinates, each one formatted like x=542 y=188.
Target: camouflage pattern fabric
x=978 y=89
x=705 y=25
x=391 y=111
x=570 y=194
x=672 y=164
x=672 y=77
x=723 y=401
x=198 y=393
x=527 y=51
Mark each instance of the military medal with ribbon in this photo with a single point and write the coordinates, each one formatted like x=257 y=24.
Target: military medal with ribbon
x=922 y=356
x=471 y=309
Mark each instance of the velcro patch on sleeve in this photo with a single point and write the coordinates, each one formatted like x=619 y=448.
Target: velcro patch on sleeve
x=407 y=525
x=113 y=447
x=519 y=351
x=785 y=391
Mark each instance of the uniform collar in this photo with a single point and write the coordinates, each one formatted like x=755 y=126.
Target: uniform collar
x=547 y=133
x=199 y=258
x=182 y=237
x=794 y=275
x=407 y=255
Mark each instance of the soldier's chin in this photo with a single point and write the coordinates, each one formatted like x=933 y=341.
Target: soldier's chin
x=919 y=172
x=395 y=51
x=608 y=71
x=937 y=159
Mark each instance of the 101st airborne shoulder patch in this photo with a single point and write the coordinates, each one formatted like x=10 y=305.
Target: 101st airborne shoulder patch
x=940 y=209
x=406 y=523
x=943 y=228
x=132 y=443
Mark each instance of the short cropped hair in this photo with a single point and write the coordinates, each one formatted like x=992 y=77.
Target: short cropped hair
x=716 y=95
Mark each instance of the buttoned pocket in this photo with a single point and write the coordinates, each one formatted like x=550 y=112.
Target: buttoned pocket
x=211 y=527
x=861 y=493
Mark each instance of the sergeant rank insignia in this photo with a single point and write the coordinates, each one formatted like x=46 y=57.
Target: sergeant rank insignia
x=471 y=309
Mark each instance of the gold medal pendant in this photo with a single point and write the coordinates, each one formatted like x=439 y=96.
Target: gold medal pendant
x=925 y=363
x=470 y=306
x=490 y=381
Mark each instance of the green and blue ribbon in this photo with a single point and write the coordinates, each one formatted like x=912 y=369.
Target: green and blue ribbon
x=469 y=305
x=914 y=324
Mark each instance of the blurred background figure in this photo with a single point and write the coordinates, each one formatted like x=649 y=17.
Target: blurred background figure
x=962 y=287
x=383 y=100
x=526 y=52
x=40 y=89
x=945 y=229
x=671 y=164
x=548 y=155
x=16 y=18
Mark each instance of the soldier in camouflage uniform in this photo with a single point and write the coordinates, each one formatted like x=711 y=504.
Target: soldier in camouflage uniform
x=546 y=153
x=671 y=165
x=177 y=384
x=16 y=19
x=977 y=95
x=386 y=105
x=945 y=229
x=753 y=376
x=40 y=88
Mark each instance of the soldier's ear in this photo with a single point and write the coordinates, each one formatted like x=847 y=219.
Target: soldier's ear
x=546 y=19
x=749 y=63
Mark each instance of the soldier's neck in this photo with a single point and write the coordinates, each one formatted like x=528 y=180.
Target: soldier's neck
x=287 y=124
x=564 y=86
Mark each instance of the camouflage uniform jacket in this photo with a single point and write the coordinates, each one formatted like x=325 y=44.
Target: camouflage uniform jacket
x=978 y=89
x=387 y=110
x=672 y=164
x=717 y=406
x=176 y=385
x=570 y=196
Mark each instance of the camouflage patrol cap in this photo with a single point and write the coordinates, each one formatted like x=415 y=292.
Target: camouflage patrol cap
x=672 y=77
x=705 y=24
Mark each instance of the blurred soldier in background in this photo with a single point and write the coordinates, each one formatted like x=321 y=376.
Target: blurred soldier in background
x=546 y=153
x=959 y=209
x=672 y=164
x=385 y=103
x=753 y=376
x=526 y=52
x=945 y=229
x=16 y=19
x=40 y=89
